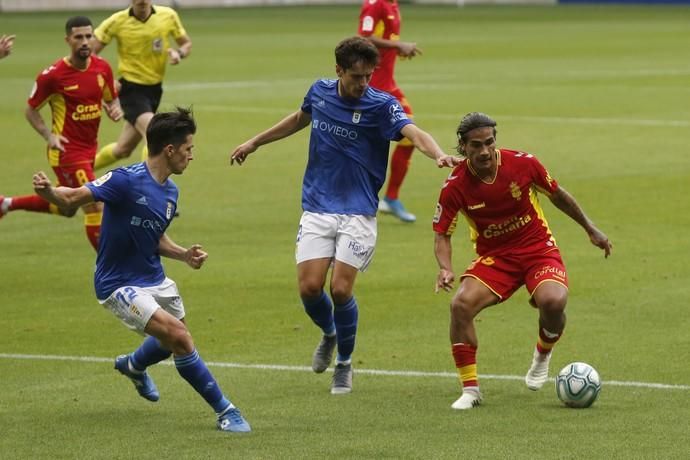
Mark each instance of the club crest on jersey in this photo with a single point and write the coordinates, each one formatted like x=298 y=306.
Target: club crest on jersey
x=101 y=81
x=356 y=116
x=169 y=211
x=103 y=179
x=515 y=190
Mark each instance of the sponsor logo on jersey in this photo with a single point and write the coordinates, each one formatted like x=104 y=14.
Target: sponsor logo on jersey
x=476 y=206
x=334 y=129
x=85 y=112
x=148 y=224
x=103 y=179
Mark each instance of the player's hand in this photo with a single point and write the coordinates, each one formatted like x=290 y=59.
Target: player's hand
x=445 y=280
x=448 y=161
x=195 y=256
x=241 y=152
x=408 y=50
x=41 y=182
x=6 y=42
x=174 y=57
x=57 y=141
x=600 y=240
x=113 y=110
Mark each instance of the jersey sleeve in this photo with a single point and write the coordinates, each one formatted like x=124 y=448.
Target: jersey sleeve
x=368 y=17
x=541 y=177
x=109 y=188
x=107 y=29
x=393 y=118
x=306 y=104
x=448 y=205
x=177 y=30
x=43 y=88
x=109 y=92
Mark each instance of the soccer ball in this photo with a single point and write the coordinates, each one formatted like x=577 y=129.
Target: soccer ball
x=578 y=385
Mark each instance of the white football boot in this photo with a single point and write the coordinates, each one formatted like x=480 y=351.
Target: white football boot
x=538 y=372
x=471 y=397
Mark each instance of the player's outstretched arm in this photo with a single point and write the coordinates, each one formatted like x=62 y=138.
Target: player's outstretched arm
x=284 y=128
x=62 y=197
x=443 y=252
x=567 y=203
x=194 y=256
x=428 y=146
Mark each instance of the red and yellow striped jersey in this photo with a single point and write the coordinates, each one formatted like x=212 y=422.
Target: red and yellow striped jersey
x=504 y=215
x=381 y=18
x=75 y=98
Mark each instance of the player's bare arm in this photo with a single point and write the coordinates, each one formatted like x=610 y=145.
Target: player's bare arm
x=284 y=128
x=405 y=49
x=55 y=141
x=194 y=256
x=184 y=48
x=569 y=206
x=62 y=197
x=428 y=146
x=6 y=42
x=113 y=109
x=443 y=251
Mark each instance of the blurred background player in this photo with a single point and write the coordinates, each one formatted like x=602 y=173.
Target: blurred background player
x=142 y=33
x=496 y=191
x=130 y=282
x=76 y=87
x=351 y=125
x=379 y=21
x=6 y=42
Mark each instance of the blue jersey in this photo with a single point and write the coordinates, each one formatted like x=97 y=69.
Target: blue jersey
x=348 y=148
x=137 y=212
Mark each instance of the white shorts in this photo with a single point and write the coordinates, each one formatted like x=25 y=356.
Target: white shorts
x=348 y=238
x=134 y=305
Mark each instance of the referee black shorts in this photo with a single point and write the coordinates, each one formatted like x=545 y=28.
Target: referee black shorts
x=136 y=99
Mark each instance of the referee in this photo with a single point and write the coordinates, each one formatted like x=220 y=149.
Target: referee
x=143 y=33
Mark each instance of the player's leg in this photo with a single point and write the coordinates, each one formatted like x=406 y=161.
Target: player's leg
x=471 y=298
x=31 y=203
x=547 y=281
x=400 y=164
x=123 y=148
x=346 y=314
x=355 y=245
x=314 y=254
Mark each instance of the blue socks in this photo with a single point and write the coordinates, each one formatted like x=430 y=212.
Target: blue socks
x=193 y=369
x=320 y=310
x=150 y=352
x=346 y=324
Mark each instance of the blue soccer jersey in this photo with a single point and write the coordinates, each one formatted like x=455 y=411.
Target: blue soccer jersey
x=348 y=148
x=137 y=212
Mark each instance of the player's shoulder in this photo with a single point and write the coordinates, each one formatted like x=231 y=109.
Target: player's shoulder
x=99 y=62
x=372 y=4
x=458 y=175
x=53 y=70
x=377 y=96
x=165 y=11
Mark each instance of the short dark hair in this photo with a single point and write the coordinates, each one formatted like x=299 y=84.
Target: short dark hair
x=474 y=120
x=167 y=128
x=77 y=21
x=356 y=49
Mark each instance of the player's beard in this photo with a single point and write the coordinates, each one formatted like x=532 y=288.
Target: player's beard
x=84 y=53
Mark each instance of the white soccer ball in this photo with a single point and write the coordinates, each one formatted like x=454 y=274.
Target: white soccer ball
x=578 y=385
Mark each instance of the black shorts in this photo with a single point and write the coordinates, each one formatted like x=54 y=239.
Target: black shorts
x=136 y=99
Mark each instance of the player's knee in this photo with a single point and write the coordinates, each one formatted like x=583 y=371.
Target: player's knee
x=309 y=289
x=553 y=305
x=180 y=340
x=341 y=293
x=462 y=309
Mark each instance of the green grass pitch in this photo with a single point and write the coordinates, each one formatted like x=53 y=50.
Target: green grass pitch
x=599 y=94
